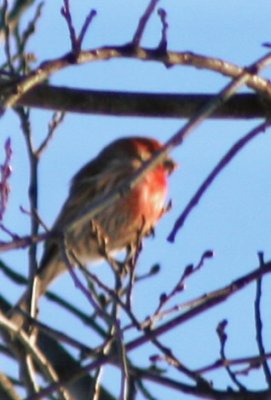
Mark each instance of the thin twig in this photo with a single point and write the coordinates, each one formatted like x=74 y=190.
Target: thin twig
x=179 y=287
x=33 y=200
x=21 y=40
x=76 y=280
x=7 y=36
x=163 y=42
x=85 y=26
x=5 y=173
x=29 y=373
x=226 y=159
x=68 y=306
x=31 y=348
x=15 y=14
x=96 y=386
x=202 y=304
x=143 y=22
x=201 y=115
x=58 y=335
x=35 y=214
x=83 y=317
x=123 y=362
x=259 y=324
x=252 y=361
x=112 y=293
x=25 y=241
x=213 y=299
x=222 y=335
x=65 y=11
x=130 y=264
x=171 y=359
x=154 y=270
x=76 y=42
x=7 y=386
x=56 y=120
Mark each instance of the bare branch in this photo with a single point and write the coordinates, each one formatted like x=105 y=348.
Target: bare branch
x=172 y=360
x=259 y=324
x=5 y=170
x=7 y=388
x=22 y=39
x=24 y=241
x=143 y=22
x=65 y=11
x=200 y=305
x=7 y=36
x=101 y=102
x=252 y=361
x=11 y=93
x=113 y=303
x=234 y=150
x=58 y=335
x=179 y=287
x=33 y=350
x=85 y=26
x=68 y=257
x=123 y=363
x=222 y=335
x=163 y=42
x=57 y=119
x=14 y=15
x=76 y=42
x=203 y=304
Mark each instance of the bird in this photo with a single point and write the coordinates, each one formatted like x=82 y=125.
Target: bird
x=134 y=212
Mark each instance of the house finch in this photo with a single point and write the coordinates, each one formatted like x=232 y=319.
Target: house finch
x=136 y=211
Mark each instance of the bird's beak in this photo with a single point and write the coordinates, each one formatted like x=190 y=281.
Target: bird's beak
x=170 y=165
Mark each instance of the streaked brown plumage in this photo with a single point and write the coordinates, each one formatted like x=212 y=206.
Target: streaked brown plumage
x=120 y=222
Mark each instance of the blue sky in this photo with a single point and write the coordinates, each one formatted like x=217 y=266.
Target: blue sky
x=233 y=218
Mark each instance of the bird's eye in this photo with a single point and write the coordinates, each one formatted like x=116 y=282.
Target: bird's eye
x=144 y=156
